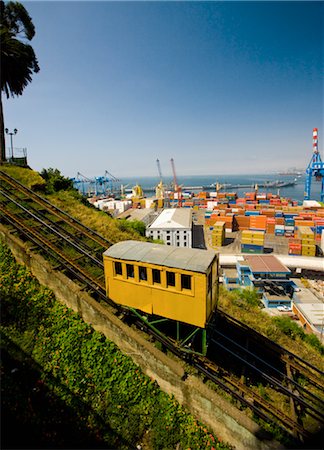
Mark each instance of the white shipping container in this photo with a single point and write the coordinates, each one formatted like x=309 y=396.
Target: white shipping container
x=211 y=204
x=289 y=228
x=213 y=194
x=279 y=227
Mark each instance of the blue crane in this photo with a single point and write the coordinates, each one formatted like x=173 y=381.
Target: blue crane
x=315 y=168
x=95 y=186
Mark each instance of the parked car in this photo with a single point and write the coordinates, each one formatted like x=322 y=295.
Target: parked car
x=284 y=308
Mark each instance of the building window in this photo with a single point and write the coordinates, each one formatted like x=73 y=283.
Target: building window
x=185 y=237
x=142 y=273
x=170 y=278
x=156 y=275
x=118 y=268
x=185 y=281
x=185 y=244
x=168 y=238
x=178 y=245
x=130 y=270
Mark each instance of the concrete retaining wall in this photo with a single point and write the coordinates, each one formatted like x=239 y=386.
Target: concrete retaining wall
x=226 y=421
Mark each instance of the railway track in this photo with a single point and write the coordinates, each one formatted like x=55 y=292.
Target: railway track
x=77 y=250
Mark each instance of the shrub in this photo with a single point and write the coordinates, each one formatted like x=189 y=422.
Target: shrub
x=136 y=225
x=55 y=181
x=313 y=340
x=289 y=327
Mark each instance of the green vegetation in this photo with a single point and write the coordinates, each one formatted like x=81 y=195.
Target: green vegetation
x=18 y=60
x=27 y=177
x=248 y=297
x=54 y=181
x=75 y=205
x=294 y=331
x=107 y=392
x=244 y=306
x=133 y=225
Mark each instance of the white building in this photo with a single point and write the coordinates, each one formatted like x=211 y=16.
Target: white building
x=173 y=226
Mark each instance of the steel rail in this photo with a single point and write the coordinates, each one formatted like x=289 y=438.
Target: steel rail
x=279 y=386
x=48 y=244
x=274 y=369
x=210 y=372
x=271 y=345
x=54 y=255
x=56 y=210
x=53 y=230
x=286 y=421
x=56 y=224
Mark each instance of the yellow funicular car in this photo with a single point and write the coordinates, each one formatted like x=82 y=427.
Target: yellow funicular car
x=180 y=284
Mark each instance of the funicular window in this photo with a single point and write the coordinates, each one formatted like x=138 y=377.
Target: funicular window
x=156 y=275
x=170 y=278
x=118 y=268
x=185 y=281
x=130 y=270
x=142 y=273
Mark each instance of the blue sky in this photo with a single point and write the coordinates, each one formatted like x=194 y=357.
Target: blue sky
x=222 y=87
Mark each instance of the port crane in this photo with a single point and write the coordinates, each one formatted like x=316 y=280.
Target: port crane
x=85 y=185
x=314 y=168
x=94 y=186
x=159 y=169
x=177 y=188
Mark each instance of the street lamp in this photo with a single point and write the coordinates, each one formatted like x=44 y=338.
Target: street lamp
x=15 y=131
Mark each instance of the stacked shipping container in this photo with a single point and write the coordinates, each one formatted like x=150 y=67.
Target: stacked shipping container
x=218 y=234
x=252 y=241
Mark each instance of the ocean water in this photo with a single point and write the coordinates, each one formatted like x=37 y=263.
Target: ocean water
x=295 y=192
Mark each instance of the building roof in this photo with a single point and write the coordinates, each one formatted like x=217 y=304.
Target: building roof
x=265 y=264
x=138 y=214
x=191 y=259
x=230 y=273
x=276 y=297
x=173 y=218
x=313 y=312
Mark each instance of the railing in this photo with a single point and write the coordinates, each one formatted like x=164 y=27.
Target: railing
x=16 y=156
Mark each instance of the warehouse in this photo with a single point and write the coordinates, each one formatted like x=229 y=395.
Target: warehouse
x=173 y=227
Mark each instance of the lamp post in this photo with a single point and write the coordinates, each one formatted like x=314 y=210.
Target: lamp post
x=15 y=131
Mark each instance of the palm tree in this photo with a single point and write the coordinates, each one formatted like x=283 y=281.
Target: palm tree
x=18 y=60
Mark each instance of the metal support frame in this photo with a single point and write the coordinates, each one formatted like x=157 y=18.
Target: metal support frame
x=183 y=338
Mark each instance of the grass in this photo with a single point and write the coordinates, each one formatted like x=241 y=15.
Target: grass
x=251 y=314
x=27 y=177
